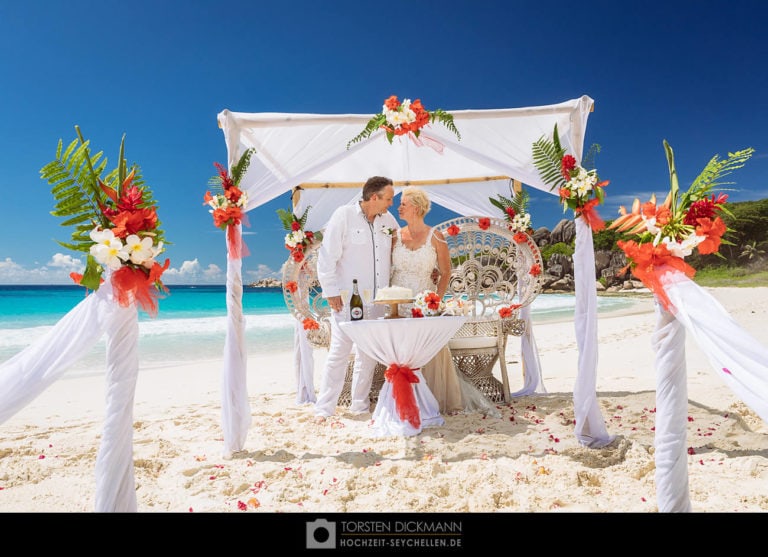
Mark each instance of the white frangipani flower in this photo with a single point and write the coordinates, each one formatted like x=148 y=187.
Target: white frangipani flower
x=109 y=251
x=138 y=250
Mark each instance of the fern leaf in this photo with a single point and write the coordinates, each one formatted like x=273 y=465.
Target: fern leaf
x=242 y=165
x=373 y=124
x=445 y=119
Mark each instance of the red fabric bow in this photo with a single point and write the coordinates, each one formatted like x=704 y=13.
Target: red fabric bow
x=401 y=378
x=590 y=215
x=134 y=285
x=236 y=248
x=651 y=262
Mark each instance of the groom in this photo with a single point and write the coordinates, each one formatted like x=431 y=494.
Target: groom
x=356 y=245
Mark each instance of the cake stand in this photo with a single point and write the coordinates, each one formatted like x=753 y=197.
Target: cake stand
x=393 y=306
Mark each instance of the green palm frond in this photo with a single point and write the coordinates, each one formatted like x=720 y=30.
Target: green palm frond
x=242 y=165
x=75 y=187
x=715 y=170
x=237 y=172
x=547 y=157
x=373 y=124
x=445 y=119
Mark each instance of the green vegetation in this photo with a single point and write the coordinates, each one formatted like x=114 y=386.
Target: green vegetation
x=560 y=247
x=731 y=276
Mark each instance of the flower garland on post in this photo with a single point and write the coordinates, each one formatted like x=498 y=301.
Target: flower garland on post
x=406 y=118
x=579 y=189
x=228 y=207
x=669 y=232
x=519 y=219
x=297 y=241
x=115 y=223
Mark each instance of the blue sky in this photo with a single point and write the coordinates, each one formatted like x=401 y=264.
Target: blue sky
x=159 y=71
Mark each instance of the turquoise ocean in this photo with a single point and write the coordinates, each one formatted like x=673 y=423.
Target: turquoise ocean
x=191 y=322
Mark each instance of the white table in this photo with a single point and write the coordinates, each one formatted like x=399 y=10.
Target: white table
x=404 y=345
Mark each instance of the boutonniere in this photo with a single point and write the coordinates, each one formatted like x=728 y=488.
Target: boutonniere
x=387 y=231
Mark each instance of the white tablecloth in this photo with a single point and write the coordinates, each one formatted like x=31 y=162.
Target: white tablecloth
x=405 y=342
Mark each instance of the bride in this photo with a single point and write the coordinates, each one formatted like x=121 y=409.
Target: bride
x=417 y=250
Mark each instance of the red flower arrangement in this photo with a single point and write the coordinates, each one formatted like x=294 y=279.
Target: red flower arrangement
x=453 y=230
x=401 y=118
x=668 y=233
x=535 y=270
x=117 y=224
x=579 y=189
x=228 y=207
x=297 y=240
x=484 y=223
x=291 y=286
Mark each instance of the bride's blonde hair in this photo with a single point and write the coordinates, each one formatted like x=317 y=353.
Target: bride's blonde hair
x=418 y=198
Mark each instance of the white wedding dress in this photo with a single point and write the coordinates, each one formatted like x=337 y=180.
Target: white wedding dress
x=413 y=269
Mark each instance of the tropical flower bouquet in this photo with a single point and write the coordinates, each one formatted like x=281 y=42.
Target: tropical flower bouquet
x=579 y=189
x=667 y=233
x=228 y=205
x=515 y=211
x=406 y=117
x=115 y=222
x=298 y=240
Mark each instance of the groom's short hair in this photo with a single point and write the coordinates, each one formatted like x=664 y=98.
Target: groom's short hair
x=375 y=184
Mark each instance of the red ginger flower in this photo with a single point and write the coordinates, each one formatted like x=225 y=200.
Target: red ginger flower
x=567 y=164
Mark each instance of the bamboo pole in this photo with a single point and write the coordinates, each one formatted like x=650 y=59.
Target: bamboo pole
x=447 y=181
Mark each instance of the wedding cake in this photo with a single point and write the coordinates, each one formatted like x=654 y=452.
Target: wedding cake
x=394 y=293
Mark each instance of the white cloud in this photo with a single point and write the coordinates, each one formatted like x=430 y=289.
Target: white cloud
x=191 y=272
x=56 y=271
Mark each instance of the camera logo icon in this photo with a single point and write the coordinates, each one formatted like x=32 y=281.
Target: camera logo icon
x=321 y=534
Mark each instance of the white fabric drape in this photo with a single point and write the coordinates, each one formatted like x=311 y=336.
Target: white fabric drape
x=735 y=356
x=590 y=424
x=533 y=382
x=408 y=342
x=115 y=487
x=304 y=366
x=671 y=414
x=30 y=372
x=235 y=409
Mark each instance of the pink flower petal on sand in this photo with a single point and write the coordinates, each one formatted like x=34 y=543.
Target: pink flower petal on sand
x=728 y=371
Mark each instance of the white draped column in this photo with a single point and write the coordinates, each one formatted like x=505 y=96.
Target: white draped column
x=590 y=424
x=235 y=410
x=115 y=487
x=671 y=414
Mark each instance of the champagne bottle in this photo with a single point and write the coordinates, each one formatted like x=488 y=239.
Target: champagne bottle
x=355 y=303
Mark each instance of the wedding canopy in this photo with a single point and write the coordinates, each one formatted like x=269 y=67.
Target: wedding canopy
x=310 y=152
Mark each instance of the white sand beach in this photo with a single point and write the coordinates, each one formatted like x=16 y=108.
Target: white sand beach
x=527 y=461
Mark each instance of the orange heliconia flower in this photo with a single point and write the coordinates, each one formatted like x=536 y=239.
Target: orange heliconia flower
x=713 y=230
